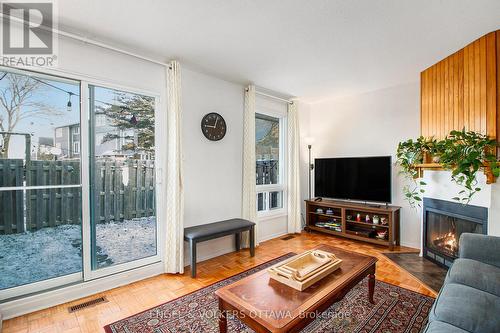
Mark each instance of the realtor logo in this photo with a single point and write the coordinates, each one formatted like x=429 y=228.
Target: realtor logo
x=27 y=33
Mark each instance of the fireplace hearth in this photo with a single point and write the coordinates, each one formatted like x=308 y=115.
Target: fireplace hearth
x=444 y=222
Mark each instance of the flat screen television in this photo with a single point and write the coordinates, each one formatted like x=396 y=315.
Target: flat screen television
x=354 y=178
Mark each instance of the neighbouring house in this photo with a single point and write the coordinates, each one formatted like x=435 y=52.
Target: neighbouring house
x=67 y=139
x=45 y=149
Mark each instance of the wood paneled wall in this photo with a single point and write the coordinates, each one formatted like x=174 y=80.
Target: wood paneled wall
x=463 y=90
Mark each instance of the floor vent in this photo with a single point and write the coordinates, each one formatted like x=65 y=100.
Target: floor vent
x=288 y=237
x=88 y=304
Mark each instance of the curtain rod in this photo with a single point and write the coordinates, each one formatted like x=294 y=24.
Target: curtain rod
x=88 y=41
x=272 y=96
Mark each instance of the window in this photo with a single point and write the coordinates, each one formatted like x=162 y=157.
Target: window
x=40 y=210
x=269 y=162
x=47 y=237
x=122 y=177
x=76 y=147
x=100 y=119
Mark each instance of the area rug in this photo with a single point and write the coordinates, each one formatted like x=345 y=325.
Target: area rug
x=396 y=310
x=429 y=273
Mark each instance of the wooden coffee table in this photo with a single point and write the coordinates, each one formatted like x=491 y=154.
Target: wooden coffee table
x=266 y=305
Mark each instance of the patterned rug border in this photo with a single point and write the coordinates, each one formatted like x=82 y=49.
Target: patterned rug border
x=107 y=328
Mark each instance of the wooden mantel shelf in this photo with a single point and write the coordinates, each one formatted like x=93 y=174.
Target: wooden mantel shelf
x=490 y=178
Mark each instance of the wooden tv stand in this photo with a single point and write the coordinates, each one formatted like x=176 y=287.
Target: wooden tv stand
x=339 y=223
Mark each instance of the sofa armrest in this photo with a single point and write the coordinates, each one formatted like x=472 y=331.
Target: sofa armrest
x=479 y=247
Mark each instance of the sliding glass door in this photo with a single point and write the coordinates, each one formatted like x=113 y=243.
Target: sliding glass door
x=77 y=184
x=122 y=177
x=40 y=182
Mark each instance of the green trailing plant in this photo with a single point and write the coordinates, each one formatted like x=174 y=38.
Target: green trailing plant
x=409 y=153
x=413 y=192
x=464 y=153
x=432 y=148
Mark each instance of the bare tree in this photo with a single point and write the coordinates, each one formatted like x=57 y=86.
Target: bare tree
x=17 y=102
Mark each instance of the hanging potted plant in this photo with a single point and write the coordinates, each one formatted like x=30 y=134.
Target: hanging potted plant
x=431 y=149
x=464 y=154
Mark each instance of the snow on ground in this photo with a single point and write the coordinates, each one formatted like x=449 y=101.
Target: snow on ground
x=125 y=241
x=35 y=256
x=56 y=251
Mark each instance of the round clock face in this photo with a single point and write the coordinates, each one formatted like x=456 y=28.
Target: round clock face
x=213 y=126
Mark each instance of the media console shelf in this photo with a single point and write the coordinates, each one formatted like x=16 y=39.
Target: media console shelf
x=340 y=218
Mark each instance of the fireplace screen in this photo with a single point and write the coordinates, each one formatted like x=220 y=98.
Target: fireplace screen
x=443 y=232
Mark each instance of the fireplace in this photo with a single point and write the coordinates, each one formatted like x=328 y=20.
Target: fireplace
x=444 y=222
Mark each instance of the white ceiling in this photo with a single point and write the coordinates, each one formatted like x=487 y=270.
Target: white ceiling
x=313 y=49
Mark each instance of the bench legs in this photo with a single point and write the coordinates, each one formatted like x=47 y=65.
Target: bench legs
x=237 y=241
x=192 y=248
x=252 y=241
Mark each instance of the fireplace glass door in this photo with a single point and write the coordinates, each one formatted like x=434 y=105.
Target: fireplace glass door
x=443 y=232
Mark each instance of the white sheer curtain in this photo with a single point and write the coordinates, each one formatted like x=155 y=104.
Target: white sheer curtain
x=249 y=206
x=174 y=205
x=293 y=168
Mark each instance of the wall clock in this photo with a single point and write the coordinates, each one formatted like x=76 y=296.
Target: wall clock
x=213 y=126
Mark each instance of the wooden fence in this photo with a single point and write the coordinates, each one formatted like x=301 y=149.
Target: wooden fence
x=123 y=190
x=11 y=207
x=52 y=207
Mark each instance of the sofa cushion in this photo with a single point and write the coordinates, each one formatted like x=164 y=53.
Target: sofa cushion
x=468 y=308
x=475 y=274
x=441 y=327
x=484 y=248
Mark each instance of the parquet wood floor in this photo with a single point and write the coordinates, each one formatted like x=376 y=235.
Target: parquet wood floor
x=128 y=300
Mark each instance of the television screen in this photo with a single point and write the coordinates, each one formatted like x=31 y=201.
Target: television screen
x=355 y=178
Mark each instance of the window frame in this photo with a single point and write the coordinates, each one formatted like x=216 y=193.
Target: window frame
x=24 y=290
x=281 y=186
x=87 y=274
x=76 y=147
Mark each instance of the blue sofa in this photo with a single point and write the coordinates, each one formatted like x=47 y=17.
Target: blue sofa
x=469 y=300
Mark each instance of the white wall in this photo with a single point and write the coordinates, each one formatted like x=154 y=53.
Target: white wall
x=440 y=186
x=494 y=212
x=369 y=124
x=213 y=170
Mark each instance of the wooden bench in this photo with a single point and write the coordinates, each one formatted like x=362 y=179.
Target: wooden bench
x=209 y=231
